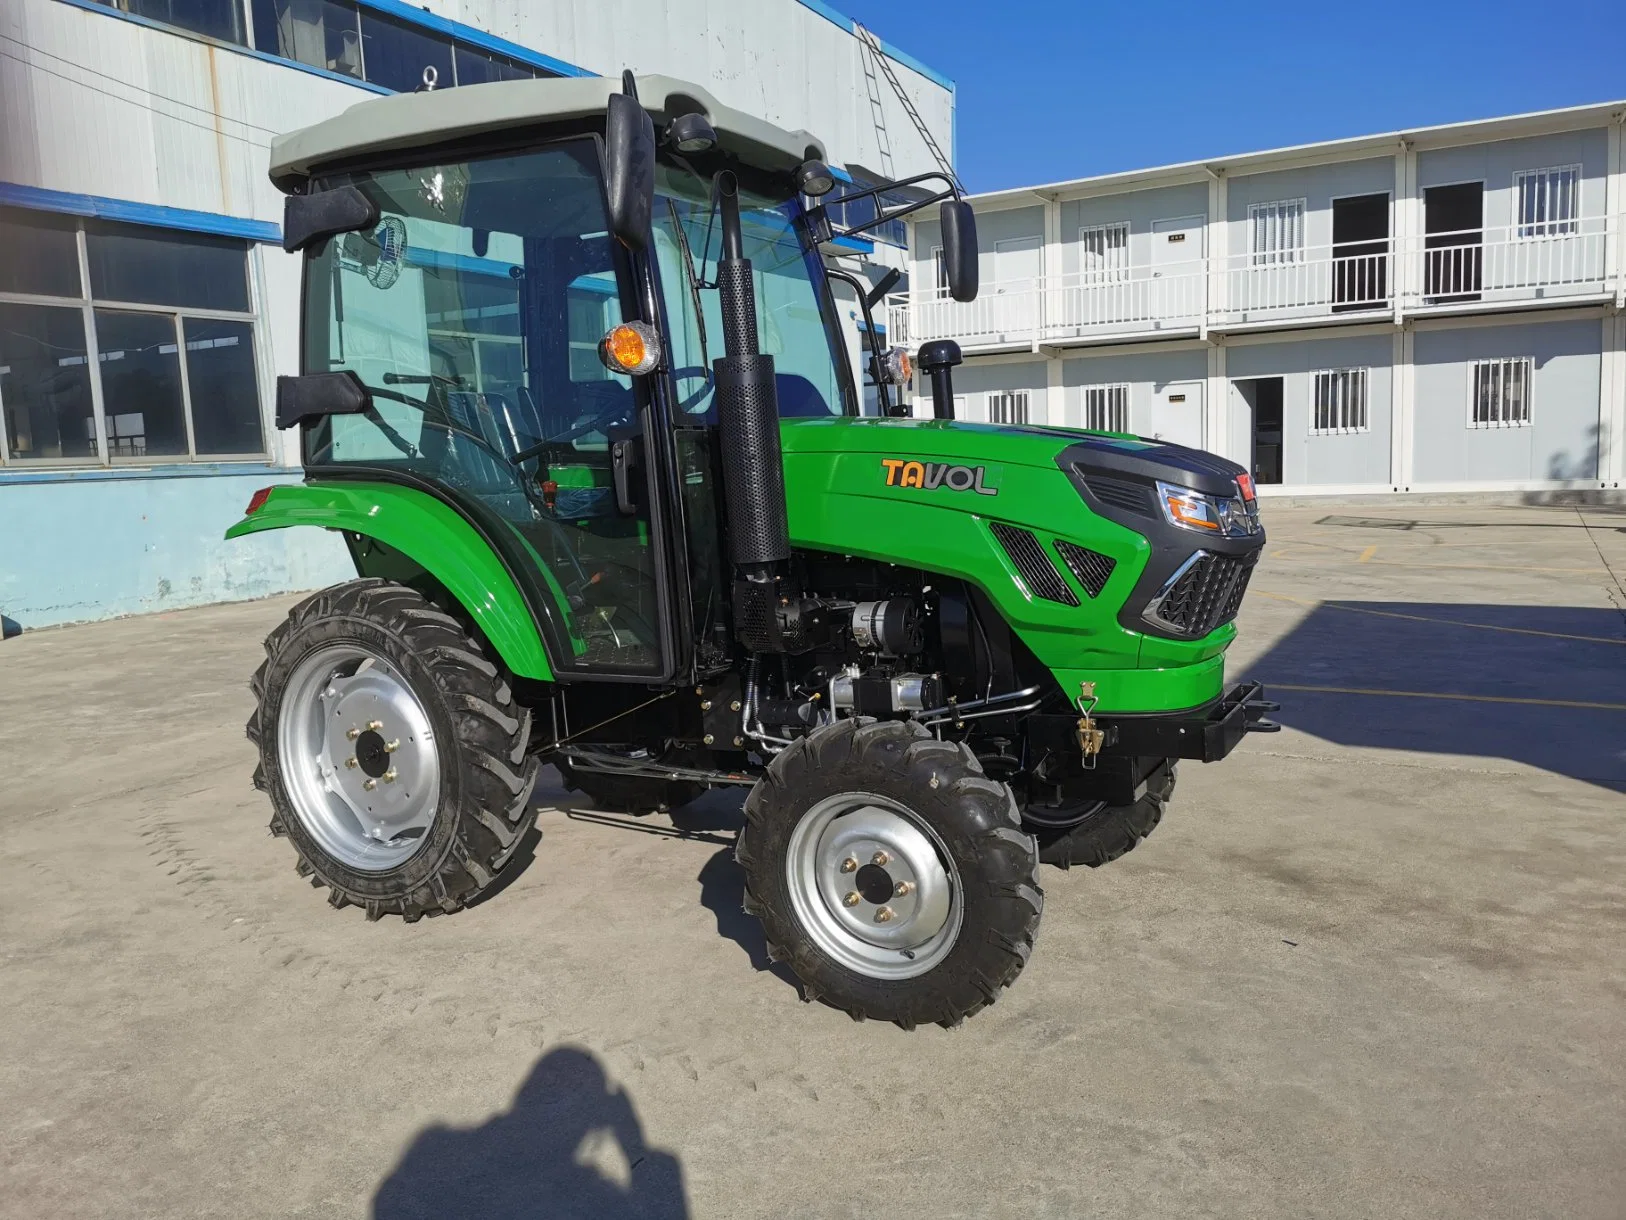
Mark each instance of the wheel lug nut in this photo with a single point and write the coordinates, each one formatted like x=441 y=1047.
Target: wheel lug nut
x=880 y=859
x=375 y=725
x=884 y=915
x=848 y=865
x=850 y=900
x=353 y=734
x=390 y=747
x=350 y=762
x=389 y=776
x=904 y=888
x=370 y=784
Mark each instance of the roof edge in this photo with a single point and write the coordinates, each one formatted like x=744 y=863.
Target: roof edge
x=1583 y=116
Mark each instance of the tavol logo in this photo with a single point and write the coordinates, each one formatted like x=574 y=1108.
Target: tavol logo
x=901 y=472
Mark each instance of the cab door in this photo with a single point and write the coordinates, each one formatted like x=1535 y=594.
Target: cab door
x=473 y=314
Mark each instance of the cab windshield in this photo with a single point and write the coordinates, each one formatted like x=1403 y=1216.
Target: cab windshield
x=794 y=322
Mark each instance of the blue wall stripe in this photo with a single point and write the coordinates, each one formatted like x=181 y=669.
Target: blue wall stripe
x=846 y=242
x=41 y=200
x=837 y=18
x=22 y=476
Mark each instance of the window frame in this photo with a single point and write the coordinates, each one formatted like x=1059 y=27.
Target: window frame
x=1109 y=390
x=1539 y=230
x=1282 y=255
x=1108 y=274
x=1505 y=363
x=1352 y=377
x=1021 y=402
x=87 y=305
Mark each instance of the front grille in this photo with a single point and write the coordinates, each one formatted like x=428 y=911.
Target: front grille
x=1205 y=594
x=1092 y=568
x=1121 y=493
x=1038 y=573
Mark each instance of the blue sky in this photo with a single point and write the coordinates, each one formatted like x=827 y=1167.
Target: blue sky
x=1051 y=89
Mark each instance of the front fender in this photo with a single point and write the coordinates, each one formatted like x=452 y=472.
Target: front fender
x=432 y=535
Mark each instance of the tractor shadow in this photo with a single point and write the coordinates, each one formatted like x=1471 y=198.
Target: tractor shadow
x=716 y=817
x=1545 y=685
x=569 y=1145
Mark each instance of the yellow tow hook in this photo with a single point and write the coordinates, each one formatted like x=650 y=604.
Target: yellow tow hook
x=1090 y=737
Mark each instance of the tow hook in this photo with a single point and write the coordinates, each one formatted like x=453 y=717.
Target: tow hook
x=1255 y=710
x=1090 y=736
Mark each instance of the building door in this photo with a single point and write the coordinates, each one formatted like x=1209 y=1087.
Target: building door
x=1177 y=262
x=1453 y=242
x=1018 y=263
x=1264 y=398
x=1360 y=252
x=1176 y=414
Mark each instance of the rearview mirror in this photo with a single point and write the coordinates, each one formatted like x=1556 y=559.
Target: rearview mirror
x=959 y=249
x=629 y=173
x=310 y=219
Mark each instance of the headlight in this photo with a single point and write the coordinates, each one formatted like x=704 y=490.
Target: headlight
x=1205 y=514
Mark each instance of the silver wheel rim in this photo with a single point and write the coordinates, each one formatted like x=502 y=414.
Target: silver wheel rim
x=839 y=854
x=358 y=758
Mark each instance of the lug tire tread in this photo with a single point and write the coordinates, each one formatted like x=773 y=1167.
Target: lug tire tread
x=495 y=774
x=1110 y=834
x=976 y=817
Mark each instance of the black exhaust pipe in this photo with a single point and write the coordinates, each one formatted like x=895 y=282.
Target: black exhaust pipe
x=747 y=412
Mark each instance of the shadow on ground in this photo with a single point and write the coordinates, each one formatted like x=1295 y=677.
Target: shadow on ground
x=569 y=1146
x=1545 y=685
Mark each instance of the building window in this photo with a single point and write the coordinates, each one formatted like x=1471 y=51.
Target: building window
x=320 y=33
x=1008 y=407
x=1106 y=408
x=1501 y=394
x=337 y=36
x=863 y=211
x=1104 y=251
x=171 y=320
x=1340 y=402
x=1548 y=201
x=222 y=19
x=1276 y=231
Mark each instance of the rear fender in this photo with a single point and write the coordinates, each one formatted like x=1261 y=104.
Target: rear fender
x=431 y=534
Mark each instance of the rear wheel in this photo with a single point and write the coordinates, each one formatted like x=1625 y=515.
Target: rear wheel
x=1105 y=832
x=392 y=750
x=890 y=874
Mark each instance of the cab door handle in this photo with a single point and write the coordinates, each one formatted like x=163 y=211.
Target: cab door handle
x=626 y=457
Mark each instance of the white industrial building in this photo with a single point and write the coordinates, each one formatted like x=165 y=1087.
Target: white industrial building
x=146 y=306
x=1438 y=310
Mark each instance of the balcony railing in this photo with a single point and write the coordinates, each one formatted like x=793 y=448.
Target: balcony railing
x=1495 y=267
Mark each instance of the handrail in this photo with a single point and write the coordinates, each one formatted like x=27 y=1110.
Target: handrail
x=1497 y=266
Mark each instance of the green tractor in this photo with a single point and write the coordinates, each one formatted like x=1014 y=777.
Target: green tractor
x=575 y=395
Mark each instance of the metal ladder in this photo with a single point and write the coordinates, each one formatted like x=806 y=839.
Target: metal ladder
x=877 y=58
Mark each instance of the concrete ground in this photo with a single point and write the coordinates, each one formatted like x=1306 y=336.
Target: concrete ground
x=1372 y=966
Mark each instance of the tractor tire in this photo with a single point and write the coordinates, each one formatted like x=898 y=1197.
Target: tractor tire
x=1109 y=831
x=634 y=794
x=890 y=873
x=432 y=794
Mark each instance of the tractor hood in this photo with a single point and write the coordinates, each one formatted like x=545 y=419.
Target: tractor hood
x=1077 y=453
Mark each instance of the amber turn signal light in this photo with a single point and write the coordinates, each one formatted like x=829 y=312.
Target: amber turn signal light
x=630 y=347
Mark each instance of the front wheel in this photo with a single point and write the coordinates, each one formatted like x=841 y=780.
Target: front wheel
x=392 y=749
x=890 y=873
